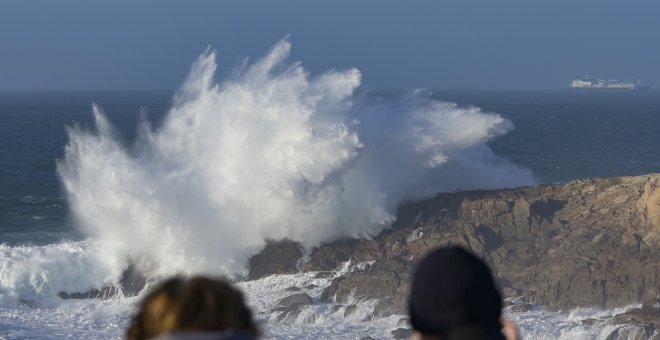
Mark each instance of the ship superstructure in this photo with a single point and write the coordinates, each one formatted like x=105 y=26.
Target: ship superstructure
x=591 y=83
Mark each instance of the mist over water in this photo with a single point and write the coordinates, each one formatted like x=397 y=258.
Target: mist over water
x=271 y=152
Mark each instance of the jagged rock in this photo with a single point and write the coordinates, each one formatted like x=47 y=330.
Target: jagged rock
x=371 y=284
x=295 y=300
x=329 y=257
x=349 y=310
x=105 y=293
x=401 y=333
x=293 y=315
x=508 y=292
x=389 y=306
x=130 y=284
x=590 y=242
x=132 y=281
x=27 y=302
x=403 y=322
x=648 y=313
x=276 y=258
x=653 y=303
x=291 y=307
x=589 y=322
x=523 y=307
x=323 y=275
x=632 y=332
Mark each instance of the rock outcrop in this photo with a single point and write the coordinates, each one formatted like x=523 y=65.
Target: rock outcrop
x=591 y=242
x=131 y=283
x=290 y=308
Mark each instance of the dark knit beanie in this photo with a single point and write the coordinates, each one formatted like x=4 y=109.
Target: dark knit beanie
x=453 y=289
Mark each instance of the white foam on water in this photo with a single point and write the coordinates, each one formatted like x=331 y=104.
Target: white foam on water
x=38 y=273
x=29 y=311
x=541 y=324
x=78 y=319
x=330 y=322
x=32 y=276
x=322 y=319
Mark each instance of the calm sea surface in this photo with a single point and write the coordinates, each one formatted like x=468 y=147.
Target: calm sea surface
x=560 y=135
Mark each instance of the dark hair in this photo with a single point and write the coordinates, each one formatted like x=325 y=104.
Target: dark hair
x=453 y=295
x=195 y=304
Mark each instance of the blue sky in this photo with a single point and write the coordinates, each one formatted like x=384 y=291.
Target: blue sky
x=462 y=44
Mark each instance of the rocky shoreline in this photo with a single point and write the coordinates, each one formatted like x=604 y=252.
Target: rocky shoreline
x=586 y=243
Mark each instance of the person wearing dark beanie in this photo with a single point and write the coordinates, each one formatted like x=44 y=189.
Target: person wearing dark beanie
x=453 y=297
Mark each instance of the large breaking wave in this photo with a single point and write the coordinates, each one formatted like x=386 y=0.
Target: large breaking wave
x=271 y=152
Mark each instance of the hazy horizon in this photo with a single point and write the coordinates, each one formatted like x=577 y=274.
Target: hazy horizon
x=449 y=45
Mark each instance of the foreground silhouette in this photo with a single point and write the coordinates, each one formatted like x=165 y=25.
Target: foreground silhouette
x=195 y=308
x=453 y=296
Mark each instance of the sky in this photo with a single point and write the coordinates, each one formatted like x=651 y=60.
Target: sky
x=453 y=44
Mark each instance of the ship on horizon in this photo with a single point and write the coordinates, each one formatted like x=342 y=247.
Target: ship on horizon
x=590 y=83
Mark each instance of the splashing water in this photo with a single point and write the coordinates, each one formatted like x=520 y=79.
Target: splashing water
x=270 y=153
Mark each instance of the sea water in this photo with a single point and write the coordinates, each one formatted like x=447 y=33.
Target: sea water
x=338 y=145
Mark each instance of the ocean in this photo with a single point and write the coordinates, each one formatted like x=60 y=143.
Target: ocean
x=196 y=181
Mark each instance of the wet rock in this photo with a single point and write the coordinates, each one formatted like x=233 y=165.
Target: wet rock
x=295 y=314
x=130 y=284
x=104 y=293
x=331 y=256
x=590 y=322
x=132 y=281
x=281 y=257
x=290 y=309
x=27 y=302
x=323 y=275
x=401 y=333
x=648 y=314
x=300 y=299
x=653 y=303
x=349 y=310
x=591 y=242
x=509 y=292
x=632 y=332
x=361 y=286
x=520 y=308
x=388 y=306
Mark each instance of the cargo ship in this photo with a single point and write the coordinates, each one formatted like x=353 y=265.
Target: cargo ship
x=612 y=84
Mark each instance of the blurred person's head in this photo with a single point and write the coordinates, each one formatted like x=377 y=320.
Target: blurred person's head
x=198 y=306
x=453 y=296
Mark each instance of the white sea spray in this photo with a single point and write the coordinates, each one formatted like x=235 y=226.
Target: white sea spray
x=270 y=153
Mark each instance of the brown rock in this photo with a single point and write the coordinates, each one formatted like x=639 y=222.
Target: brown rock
x=523 y=307
x=591 y=242
x=349 y=310
x=632 y=332
x=299 y=299
x=280 y=257
x=401 y=333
